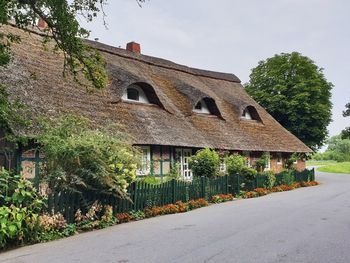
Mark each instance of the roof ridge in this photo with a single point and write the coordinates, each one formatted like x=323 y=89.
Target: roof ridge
x=163 y=63
x=150 y=60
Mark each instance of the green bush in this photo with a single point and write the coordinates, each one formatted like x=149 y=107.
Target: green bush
x=19 y=210
x=235 y=164
x=286 y=177
x=270 y=179
x=78 y=157
x=206 y=163
x=262 y=162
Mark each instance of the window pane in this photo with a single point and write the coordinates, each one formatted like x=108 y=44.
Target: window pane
x=133 y=94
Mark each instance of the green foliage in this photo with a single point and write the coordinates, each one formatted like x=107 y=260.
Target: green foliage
x=345 y=134
x=294 y=90
x=262 y=162
x=174 y=172
x=137 y=215
x=63 y=29
x=338 y=150
x=150 y=179
x=270 y=179
x=289 y=163
x=285 y=178
x=235 y=163
x=79 y=158
x=206 y=163
x=11 y=113
x=346 y=112
x=19 y=210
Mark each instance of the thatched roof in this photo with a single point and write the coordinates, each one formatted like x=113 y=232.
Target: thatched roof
x=35 y=77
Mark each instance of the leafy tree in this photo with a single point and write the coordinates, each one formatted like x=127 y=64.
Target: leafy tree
x=338 y=150
x=345 y=134
x=63 y=28
x=294 y=90
x=206 y=163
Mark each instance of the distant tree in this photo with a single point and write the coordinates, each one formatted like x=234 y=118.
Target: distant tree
x=63 y=27
x=296 y=93
x=345 y=134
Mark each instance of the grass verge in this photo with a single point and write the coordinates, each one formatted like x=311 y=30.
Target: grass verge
x=320 y=163
x=343 y=168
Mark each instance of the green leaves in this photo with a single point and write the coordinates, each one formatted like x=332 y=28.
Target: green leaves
x=79 y=157
x=63 y=29
x=296 y=93
x=206 y=163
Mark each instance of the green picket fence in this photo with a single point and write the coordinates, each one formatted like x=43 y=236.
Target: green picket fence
x=142 y=195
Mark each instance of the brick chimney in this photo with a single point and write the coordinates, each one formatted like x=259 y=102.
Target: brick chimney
x=133 y=47
x=42 y=24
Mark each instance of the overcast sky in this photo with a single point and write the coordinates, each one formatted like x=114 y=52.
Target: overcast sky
x=232 y=36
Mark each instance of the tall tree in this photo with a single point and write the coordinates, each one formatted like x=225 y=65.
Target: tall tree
x=345 y=134
x=294 y=90
x=63 y=28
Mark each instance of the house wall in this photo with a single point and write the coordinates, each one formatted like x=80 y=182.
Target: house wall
x=162 y=158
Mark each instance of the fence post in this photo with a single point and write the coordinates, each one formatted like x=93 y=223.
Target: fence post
x=134 y=195
x=202 y=186
x=226 y=182
x=173 y=192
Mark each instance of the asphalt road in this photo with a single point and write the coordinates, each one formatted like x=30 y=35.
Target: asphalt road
x=305 y=225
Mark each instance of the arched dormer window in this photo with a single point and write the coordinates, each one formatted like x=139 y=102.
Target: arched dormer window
x=207 y=106
x=201 y=107
x=141 y=92
x=250 y=113
x=135 y=93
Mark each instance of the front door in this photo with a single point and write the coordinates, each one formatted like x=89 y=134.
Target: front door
x=182 y=157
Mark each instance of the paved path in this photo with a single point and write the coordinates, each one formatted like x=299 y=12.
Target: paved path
x=305 y=225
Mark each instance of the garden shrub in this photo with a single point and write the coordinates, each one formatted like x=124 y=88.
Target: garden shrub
x=285 y=178
x=289 y=163
x=270 y=179
x=19 y=210
x=262 y=162
x=206 y=163
x=80 y=158
x=236 y=165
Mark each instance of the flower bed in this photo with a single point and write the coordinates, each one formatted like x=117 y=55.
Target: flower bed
x=280 y=188
x=221 y=198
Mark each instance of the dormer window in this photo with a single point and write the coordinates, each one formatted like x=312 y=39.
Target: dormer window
x=136 y=94
x=250 y=113
x=246 y=115
x=201 y=107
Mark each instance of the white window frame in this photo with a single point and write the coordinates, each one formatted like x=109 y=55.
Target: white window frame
x=142 y=96
x=147 y=158
x=222 y=166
